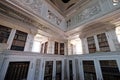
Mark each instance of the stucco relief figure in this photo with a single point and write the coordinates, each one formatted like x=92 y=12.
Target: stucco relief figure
x=53 y=17
x=94 y=10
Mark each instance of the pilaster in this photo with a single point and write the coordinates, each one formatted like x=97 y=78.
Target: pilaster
x=50 y=48
x=11 y=37
x=85 y=46
x=110 y=41
x=29 y=42
x=96 y=43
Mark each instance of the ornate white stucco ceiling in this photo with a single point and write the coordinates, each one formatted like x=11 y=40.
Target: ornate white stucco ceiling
x=67 y=8
x=57 y=4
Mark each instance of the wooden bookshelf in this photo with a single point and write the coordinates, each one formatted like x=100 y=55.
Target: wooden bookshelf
x=109 y=70
x=19 y=41
x=103 y=43
x=48 y=70
x=89 y=70
x=17 y=71
x=4 y=34
x=61 y=48
x=58 y=70
x=56 y=48
x=91 y=44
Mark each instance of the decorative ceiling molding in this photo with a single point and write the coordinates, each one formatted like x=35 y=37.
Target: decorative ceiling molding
x=35 y=22
x=66 y=8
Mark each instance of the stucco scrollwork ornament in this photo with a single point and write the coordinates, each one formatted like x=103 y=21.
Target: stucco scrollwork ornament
x=89 y=12
x=95 y=9
x=53 y=17
x=85 y=13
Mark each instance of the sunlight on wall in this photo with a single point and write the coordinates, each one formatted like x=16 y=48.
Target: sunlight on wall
x=118 y=33
x=78 y=46
x=36 y=46
x=38 y=39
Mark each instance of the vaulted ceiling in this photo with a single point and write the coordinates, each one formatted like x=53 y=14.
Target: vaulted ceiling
x=66 y=7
